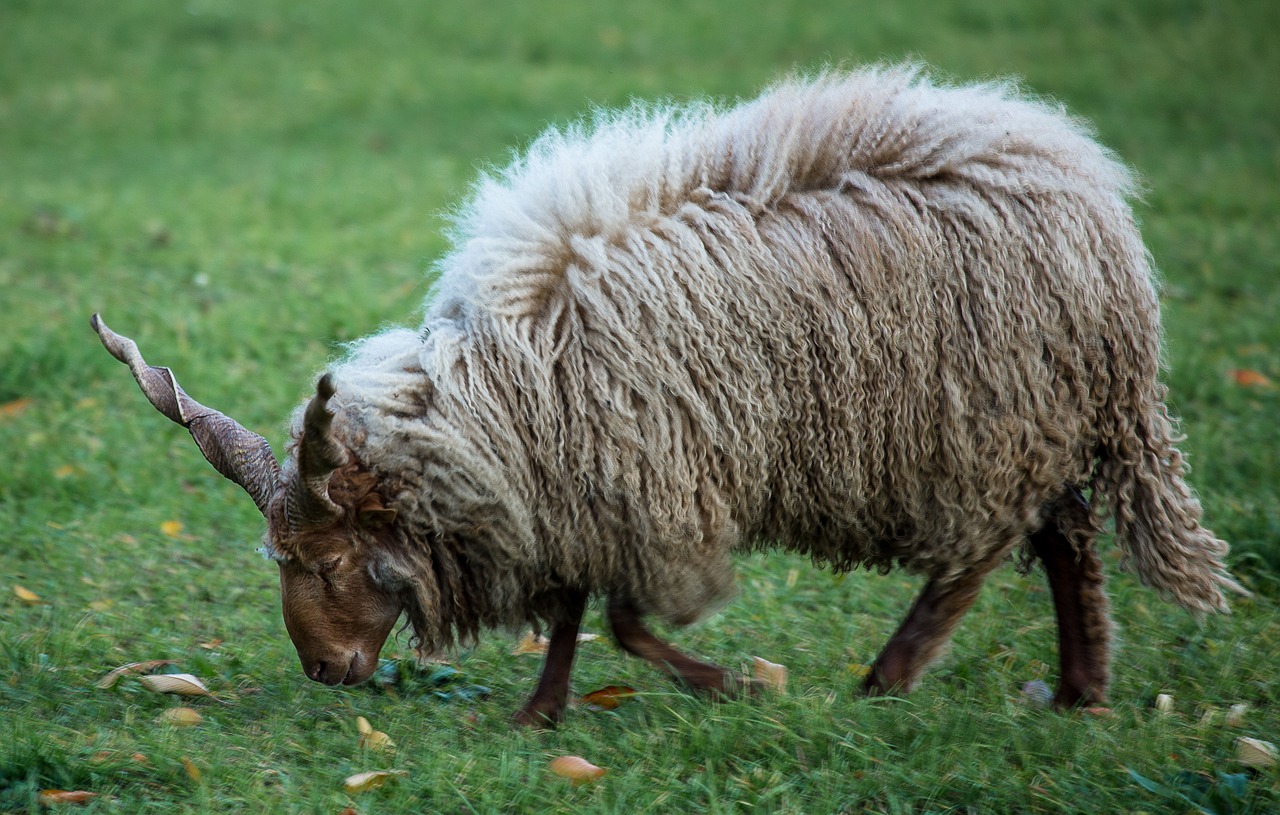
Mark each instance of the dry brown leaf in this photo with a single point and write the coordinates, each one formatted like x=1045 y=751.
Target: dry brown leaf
x=55 y=797
x=362 y=782
x=608 y=697
x=1250 y=379
x=530 y=643
x=17 y=407
x=193 y=772
x=180 y=717
x=349 y=811
x=109 y=680
x=771 y=674
x=27 y=596
x=1235 y=717
x=576 y=769
x=180 y=684
x=1255 y=753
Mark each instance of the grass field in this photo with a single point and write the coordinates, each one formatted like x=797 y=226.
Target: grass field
x=244 y=185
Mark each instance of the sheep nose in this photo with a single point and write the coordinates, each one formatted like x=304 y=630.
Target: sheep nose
x=317 y=671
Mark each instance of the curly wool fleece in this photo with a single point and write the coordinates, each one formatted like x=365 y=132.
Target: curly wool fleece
x=864 y=317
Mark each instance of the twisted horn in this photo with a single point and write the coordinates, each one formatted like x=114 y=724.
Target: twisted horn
x=239 y=454
x=318 y=456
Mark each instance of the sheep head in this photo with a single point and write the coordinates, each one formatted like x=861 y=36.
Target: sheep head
x=337 y=610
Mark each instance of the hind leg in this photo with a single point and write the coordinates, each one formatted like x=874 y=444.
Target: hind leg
x=1084 y=629
x=925 y=632
x=635 y=639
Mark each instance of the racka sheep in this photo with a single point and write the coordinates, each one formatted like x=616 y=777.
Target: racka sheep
x=864 y=317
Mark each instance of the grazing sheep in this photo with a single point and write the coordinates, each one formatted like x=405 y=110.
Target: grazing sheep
x=864 y=317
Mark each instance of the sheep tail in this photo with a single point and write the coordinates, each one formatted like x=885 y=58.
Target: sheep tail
x=1139 y=482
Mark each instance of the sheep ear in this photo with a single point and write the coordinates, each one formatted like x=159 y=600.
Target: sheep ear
x=373 y=514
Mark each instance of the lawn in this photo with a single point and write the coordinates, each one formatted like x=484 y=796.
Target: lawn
x=243 y=186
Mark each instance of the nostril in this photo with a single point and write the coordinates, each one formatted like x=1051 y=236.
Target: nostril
x=317 y=671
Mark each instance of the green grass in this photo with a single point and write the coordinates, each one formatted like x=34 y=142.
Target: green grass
x=244 y=185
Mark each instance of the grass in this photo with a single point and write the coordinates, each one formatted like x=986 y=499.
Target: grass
x=242 y=186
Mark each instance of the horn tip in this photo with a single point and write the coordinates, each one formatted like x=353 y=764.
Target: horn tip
x=325 y=387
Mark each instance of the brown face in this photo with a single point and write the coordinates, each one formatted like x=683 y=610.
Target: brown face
x=336 y=613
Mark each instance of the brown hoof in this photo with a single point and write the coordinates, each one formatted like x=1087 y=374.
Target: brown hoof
x=539 y=715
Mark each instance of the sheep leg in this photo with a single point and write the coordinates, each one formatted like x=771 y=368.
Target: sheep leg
x=1076 y=580
x=546 y=706
x=635 y=639
x=924 y=633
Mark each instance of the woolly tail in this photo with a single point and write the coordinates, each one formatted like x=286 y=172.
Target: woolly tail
x=1157 y=517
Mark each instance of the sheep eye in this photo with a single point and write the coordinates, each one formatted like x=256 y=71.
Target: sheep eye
x=326 y=567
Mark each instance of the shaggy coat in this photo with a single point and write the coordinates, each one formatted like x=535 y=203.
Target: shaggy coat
x=863 y=317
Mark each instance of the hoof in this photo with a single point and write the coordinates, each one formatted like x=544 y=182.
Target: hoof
x=539 y=715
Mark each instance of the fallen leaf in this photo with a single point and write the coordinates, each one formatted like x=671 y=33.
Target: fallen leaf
x=110 y=679
x=1164 y=703
x=180 y=684
x=858 y=669
x=362 y=782
x=180 y=717
x=171 y=528
x=1235 y=717
x=1250 y=379
x=1037 y=693
x=576 y=769
x=1098 y=711
x=27 y=596
x=371 y=739
x=193 y=772
x=101 y=605
x=1255 y=753
x=211 y=644
x=55 y=797
x=349 y=811
x=608 y=697
x=771 y=674
x=10 y=410
x=65 y=471
x=531 y=643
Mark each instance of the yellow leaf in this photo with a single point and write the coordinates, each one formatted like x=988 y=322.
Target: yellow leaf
x=65 y=471
x=109 y=680
x=171 y=528
x=55 y=797
x=576 y=769
x=362 y=782
x=193 y=772
x=858 y=669
x=27 y=596
x=180 y=717
x=771 y=674
x=371 y=739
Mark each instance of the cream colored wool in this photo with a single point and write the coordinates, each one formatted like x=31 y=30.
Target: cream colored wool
x=864 y=317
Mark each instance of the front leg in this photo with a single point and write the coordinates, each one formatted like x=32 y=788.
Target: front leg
x=546 y=706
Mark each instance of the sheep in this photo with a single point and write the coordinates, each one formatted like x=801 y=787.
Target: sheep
x=867 y=317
